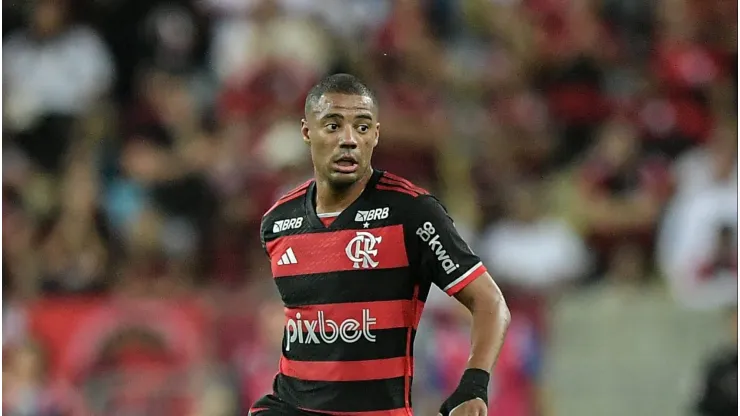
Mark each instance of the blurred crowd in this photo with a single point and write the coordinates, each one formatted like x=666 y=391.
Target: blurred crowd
x=586 y=148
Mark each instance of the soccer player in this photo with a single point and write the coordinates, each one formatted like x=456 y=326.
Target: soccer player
x=354 y=253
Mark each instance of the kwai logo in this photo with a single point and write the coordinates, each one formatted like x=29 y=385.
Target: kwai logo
x=306 y=331
x=428 y=234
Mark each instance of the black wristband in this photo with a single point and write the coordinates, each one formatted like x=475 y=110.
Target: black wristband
x=475 y=377
x=473 y=385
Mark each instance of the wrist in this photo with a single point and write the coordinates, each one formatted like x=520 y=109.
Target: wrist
x=473 y=385
x=476 y=377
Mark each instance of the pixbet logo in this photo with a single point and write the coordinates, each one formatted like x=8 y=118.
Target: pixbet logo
x=304 y=331
x=361 y=250
x=428 y=234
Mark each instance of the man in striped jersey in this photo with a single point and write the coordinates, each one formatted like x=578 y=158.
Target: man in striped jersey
x=354 y=253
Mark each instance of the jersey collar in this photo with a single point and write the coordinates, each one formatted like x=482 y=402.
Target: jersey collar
x=340 y=221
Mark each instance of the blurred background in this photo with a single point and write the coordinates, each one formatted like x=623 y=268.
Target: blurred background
x=587 y=149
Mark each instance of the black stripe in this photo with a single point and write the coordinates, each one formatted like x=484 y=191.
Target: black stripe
x=344 y=396
x=389 y=343
x=346 y=286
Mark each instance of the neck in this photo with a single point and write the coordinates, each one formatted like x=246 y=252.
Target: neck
x=329 y=199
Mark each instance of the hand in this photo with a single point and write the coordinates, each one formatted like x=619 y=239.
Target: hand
x=475 y=407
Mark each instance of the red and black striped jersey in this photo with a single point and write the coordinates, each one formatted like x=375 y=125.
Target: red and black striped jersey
x=354 y=292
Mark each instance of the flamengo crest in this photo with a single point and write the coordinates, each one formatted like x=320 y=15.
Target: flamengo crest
x=361 y=250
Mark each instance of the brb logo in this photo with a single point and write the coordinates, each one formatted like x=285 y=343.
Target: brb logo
x=304 y=331
x=289 y=224
x=361 y=250
x=429 y=235
x=372 y=215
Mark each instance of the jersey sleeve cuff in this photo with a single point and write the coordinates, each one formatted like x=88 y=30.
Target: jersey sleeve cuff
x=465 y=279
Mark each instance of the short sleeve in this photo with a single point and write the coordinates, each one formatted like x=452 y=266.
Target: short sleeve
x=444 y=257
x=263 y=241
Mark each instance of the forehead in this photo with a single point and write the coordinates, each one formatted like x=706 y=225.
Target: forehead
x=344 y=104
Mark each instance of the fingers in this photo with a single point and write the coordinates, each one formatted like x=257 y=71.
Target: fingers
x=474 y=407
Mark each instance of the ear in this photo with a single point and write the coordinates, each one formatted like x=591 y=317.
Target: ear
x=377 y=134
x=304 y=132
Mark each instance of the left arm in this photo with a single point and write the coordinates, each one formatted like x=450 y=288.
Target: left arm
x=448 y=261
x=491 y=318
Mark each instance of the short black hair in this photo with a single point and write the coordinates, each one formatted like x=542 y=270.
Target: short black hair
x=338 y=84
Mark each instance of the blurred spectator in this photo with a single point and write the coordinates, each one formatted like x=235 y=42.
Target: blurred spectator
x=27 y=388
x=74 y=242
x=248 y=35
x=718 y=392
x=532 y=255
x=171 y=34
x=527 y=233
x=620 y=192
x=54 y=71
x=698 y=247
x=164 y=165
x=709 y=165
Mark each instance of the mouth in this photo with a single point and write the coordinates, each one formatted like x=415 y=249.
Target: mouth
x=345 y=164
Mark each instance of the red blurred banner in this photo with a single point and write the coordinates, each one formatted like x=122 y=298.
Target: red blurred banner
x=78 y=332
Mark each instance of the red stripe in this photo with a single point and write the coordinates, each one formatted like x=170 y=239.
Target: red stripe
x=256 y=409
x=405 y=181
x=291 y=195
x=409 y=360
x=285 y=199
x=344 y=370
x=328 y=252
x=472 y=276
x=300 y=187
x=387 y=314
x=389 y=182
x=406 y=185
x=396 y=189
x=411 y=187
x=394 y=412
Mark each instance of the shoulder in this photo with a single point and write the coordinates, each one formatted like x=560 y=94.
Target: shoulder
x=413 y=199
x=394 y=184
x=288 y=202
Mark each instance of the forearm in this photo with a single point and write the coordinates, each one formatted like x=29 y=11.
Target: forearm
x=489 y=324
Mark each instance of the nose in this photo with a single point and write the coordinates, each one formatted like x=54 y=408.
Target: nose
x=347 y=139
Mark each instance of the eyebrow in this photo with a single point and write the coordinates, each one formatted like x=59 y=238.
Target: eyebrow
x=364 y=116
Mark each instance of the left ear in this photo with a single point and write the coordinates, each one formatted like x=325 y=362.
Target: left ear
x=377 y=134
x=304 y=132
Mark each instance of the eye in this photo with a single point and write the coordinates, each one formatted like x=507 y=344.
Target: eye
x=332 y=126
x=363 y=128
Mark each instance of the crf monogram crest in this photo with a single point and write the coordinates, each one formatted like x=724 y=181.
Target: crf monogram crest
x=361 y=250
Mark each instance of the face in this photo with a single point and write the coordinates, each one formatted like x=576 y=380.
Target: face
x=342 y=131
x=47 y=17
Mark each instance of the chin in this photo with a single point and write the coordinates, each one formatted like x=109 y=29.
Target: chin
x=343 y=180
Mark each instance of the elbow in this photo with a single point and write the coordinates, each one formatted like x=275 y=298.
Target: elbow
x=499 y=306
x=503 y=312
x=494 y=307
